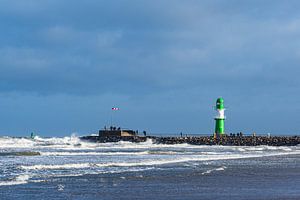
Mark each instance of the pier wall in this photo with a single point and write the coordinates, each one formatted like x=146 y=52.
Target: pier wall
x=205 y=140
x=231 y=140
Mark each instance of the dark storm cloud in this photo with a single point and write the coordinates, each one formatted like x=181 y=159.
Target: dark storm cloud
x=180 y=53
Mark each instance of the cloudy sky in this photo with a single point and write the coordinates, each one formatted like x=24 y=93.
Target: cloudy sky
x=65 y=64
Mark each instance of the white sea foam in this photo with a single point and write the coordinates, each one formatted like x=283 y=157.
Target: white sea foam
x=149 y=162
x=74 y=143
x=21 y=179
x=92 y=172
x=92 y=153
x=117 y=153
x=60 y=187
x=11 y=142
x=216 y=169
x=264 y=148
x=8 y=142
x=69 y=156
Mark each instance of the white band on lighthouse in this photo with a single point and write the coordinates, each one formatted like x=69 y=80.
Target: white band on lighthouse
x=220 y=114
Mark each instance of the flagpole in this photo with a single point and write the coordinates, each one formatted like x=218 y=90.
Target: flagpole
x=111 y=118
x=113 y=109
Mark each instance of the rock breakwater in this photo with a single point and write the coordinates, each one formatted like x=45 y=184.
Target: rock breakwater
x=205 y=140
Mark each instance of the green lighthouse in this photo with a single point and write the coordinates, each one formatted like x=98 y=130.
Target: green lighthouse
x=220 y=118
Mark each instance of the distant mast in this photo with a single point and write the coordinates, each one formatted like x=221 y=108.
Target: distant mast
x=220 y=118
x=113 y=109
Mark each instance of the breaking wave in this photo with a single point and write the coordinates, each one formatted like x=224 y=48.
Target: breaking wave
x=73 y=143
x=38 y=142
x=35 y=160
x=144 y=163
x=21 y=179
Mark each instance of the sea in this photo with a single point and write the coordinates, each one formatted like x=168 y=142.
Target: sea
x=68 y=168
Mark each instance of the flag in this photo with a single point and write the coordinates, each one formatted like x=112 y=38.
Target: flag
x=115 y=108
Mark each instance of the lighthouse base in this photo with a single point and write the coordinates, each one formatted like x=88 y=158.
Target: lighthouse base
x=220 y=124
